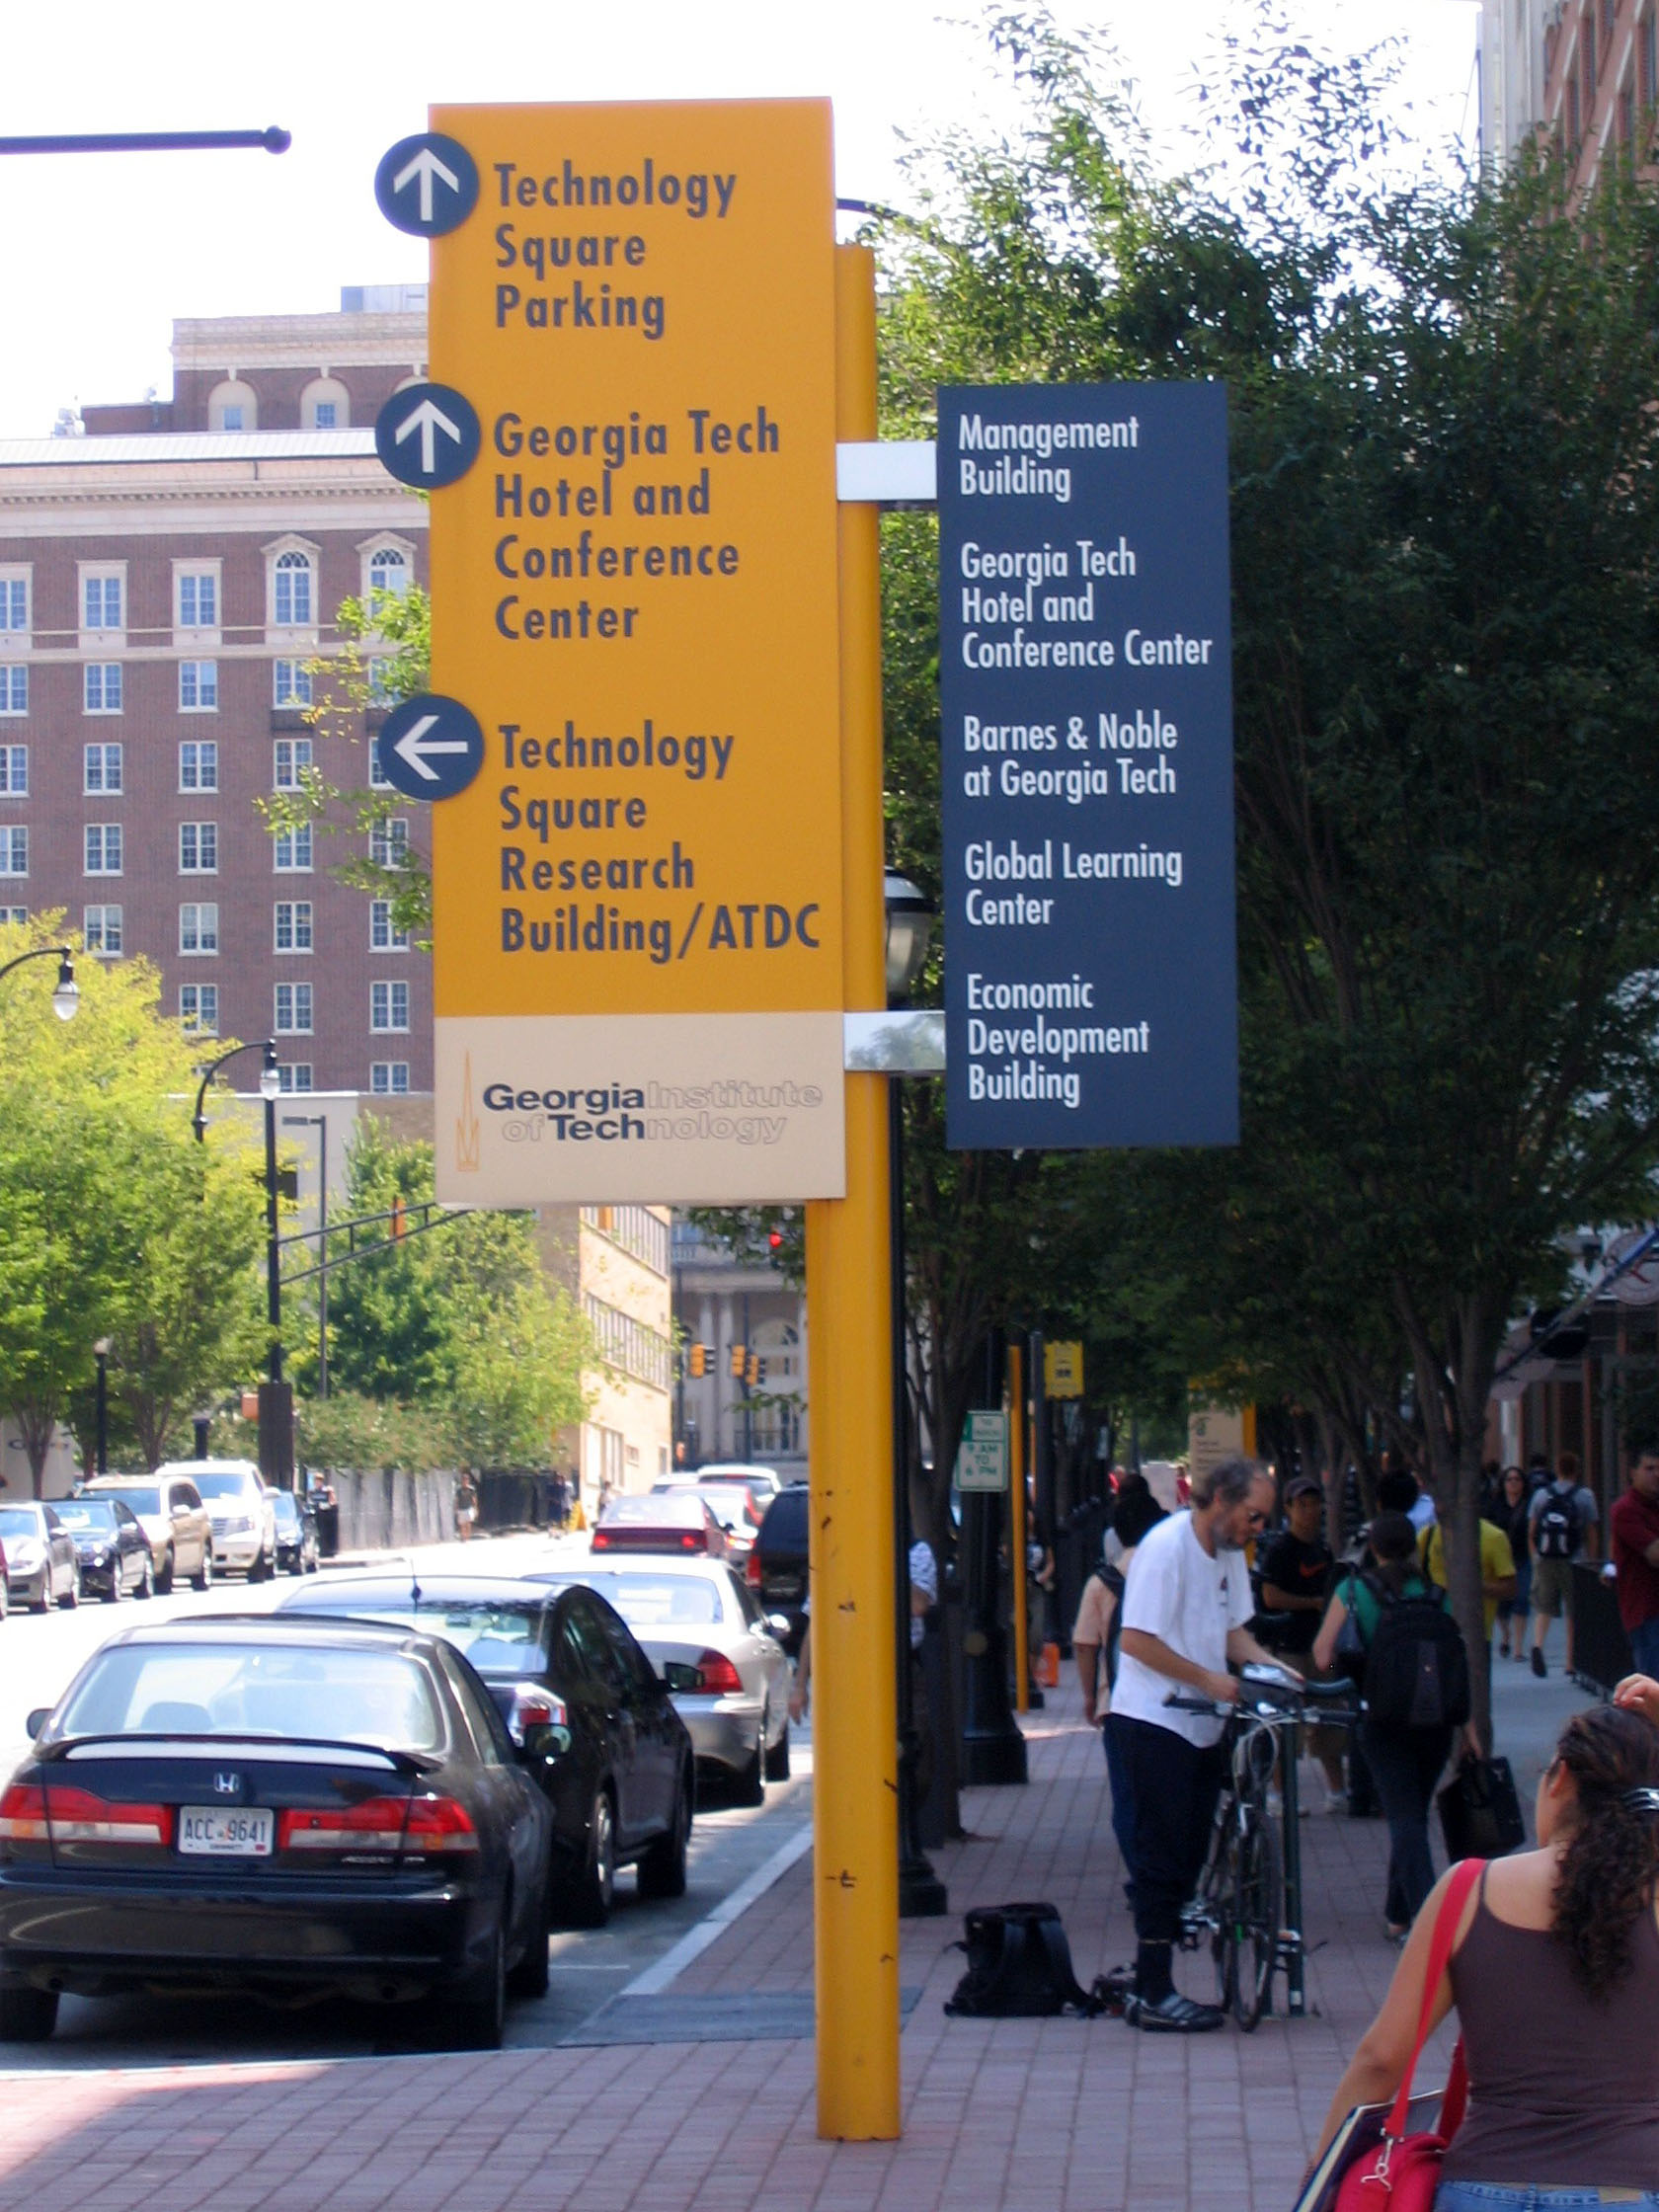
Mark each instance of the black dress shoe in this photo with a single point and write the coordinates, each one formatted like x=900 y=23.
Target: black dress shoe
x=1173 y=2014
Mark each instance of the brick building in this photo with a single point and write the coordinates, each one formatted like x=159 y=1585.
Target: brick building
x=165 y=577
x=1585 y=71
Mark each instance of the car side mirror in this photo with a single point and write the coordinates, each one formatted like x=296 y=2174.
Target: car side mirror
x=779 y=1625
x=676 y=1674
x=36 y=1721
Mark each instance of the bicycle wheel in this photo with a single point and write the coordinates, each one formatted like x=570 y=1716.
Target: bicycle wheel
x=1215 y=1899
x=1257 y=1910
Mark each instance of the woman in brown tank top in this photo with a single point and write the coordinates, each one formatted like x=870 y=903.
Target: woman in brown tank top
x=1556 y=1978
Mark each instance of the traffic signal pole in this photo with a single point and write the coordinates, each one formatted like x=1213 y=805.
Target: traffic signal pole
x=855 y=1729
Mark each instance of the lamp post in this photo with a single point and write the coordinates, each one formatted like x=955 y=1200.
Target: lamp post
x=101 y=1353
x=319 y=1122
x=66 y=992
x=276 y=1425
x=909 y=926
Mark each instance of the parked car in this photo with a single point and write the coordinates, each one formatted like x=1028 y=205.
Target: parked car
x=672 y=1521
x=698 y=1614
x=274 y=1805
x=113 y=1549
x=40 y=1563
x=763 y=1483
x=612 y=1754
x=171 y=1513
x=240 y=1509
x=777 y=1567
x=297 y=1548
x=732 y=1506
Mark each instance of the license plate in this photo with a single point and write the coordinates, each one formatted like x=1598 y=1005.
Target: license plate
x=211 y=1832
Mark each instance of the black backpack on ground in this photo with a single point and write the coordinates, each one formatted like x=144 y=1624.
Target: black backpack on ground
x=1019 y=1967
x=1556 y=1524
x=1416 y=1669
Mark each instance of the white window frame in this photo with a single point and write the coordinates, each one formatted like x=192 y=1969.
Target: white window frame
x=302 y=1003
x=198 y=938
x=14 y=917
x=14 y=772
x=382 y=937
x=199 y=745
x=14 y=849
x=329 y=391
x=13 y=687
x=294 y=949
x=198 y=1008
x=12 y=574
x=391 y=1027
x=292 y=626
x=290 y=696
x=292 y=747
x=100 y=635
x=108 y=838
x=292 y=843
x=388 y=841
x=233 y=392
x=206 y=839
x=376 y=548
x=198 y=632
x=97 y=929
x=383 y=1077
x=294 y=1075
x=201 y=676
x=104 y=669
x=103 y=788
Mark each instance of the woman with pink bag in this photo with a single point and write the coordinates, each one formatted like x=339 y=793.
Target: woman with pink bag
x=1554 y=1972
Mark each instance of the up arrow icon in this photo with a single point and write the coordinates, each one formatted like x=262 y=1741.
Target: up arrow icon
x=426 y=185
x=428 y=435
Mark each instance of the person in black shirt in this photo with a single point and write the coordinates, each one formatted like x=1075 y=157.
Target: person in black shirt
x=1296 y=1572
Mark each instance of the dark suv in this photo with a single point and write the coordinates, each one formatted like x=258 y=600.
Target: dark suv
x=777 y=1567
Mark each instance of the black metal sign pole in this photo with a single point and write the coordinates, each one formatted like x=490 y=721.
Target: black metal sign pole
x=272 y=141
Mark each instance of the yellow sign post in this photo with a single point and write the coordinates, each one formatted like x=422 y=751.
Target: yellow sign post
x=1062 y=1370
x=637 y=900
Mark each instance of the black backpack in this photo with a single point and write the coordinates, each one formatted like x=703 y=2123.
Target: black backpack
x=1019 y=1967
x=1555 y=1529
x=1416 y=1669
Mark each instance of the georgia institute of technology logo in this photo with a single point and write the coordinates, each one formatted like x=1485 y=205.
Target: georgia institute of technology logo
x=467 y=1128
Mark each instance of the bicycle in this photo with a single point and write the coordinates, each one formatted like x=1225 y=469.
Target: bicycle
x=1248 y=1903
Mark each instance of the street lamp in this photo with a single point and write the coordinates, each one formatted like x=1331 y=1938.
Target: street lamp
x=275 y=1398
x=909 y=926
x=66 y=992
x=101 y=1353
x=319 y=1122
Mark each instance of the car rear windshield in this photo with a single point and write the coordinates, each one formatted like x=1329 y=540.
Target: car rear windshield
x=86 y=1513
x=142 y=1501
x=255 y=1689
x=498 y=1637
x=675 y=1510
x=232 y=1484
x=734 y=1500
x=655 y=1601
x=18 y=1521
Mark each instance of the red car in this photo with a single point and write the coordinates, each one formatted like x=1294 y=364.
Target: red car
x=675 y=1521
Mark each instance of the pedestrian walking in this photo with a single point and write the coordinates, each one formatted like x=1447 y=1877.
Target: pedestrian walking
x=1415 y=1687
x=1094 y=1645
x=1186 y=1604
x=1554 y=1976
x=1562 y=1531
x=1296 y=1576
x=1634 y=1527
x=466 y=1506
x=1511 y=1515
x=1498 y=1569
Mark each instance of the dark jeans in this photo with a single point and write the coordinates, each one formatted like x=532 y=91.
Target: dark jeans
x=1172 y=1791
x=1123 y=1805
x=1644 y=1646
x=1406 y=1764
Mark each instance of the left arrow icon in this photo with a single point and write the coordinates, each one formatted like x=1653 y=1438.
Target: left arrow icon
x=426 y=185
x=430 y=746
x=428 y=435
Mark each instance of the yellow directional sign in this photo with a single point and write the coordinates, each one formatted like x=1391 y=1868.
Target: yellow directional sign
x=1063 y=1370
x=637 y=926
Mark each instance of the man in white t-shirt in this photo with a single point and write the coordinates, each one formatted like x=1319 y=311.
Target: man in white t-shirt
x=1185 y=1606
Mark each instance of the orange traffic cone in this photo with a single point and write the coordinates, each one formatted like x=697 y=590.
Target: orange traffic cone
x=1047 y=1674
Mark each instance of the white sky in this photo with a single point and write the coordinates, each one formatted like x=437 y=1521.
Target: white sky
x=103 y=252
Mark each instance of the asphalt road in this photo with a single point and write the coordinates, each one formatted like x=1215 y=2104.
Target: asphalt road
x=38 y=1657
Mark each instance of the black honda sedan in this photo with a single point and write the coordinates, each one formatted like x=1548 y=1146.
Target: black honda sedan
x=614 y=1755
x=274 y=1806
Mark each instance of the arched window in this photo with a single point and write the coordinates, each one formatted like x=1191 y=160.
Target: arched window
x=293 y=591
x=389 y=571
x=325 y=405
x=232 y=406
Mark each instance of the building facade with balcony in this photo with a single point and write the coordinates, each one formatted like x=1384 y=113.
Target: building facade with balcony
x=723 y=1301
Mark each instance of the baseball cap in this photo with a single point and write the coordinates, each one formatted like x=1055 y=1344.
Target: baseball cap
x=1304 y=1486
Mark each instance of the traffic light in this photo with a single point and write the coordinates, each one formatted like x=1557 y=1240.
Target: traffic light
x=696 y=1361
x=740 y=1360
x=755 y=1368
x=774 y=1238
x=399 y=1220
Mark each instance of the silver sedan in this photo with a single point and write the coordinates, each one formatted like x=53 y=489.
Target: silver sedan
x=699 y=1612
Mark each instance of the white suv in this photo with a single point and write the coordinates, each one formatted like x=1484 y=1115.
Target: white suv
x=240 y=1509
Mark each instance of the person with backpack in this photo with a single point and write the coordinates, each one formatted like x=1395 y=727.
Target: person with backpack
x=1414 y=1688
x=1094 y=1641
x=1563 y=1528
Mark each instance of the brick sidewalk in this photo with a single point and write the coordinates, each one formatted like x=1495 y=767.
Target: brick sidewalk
x=1028 y=2115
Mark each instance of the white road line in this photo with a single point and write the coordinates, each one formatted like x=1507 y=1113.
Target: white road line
x=696 y=1941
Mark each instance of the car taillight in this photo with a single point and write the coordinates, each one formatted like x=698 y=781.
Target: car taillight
x=534 y=1707
x=76 y=1816
x=695 y=1540
x=22 y=1813
x=602 y=1541
x=373 y=1824
x=438 y=1825
x=720 y=1678
x=752 y=1568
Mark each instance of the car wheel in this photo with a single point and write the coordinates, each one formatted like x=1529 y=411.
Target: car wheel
x=27 y=2016
x=749 y=1783
x=590 y=1896
x=44 y=1602
x=478 y=2008
x=202 y=1579
x=72 y=1596
x=117 y=1586
x=146 y=1578
x=661 y=1872
x=260 y=1570
x=164 y=1580
x=777 y=1758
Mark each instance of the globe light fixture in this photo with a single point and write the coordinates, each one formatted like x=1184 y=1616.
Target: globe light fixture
x=910 y=928
x=66 y=992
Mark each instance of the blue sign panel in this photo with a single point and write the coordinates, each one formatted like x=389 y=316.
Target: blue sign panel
x=430 y=746
x=426 y=185
x=428 y=435
x=1086 y=689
